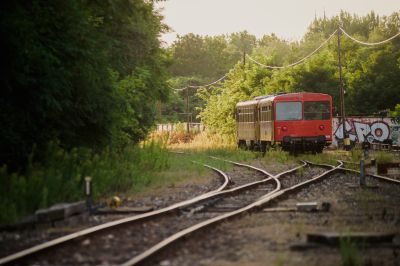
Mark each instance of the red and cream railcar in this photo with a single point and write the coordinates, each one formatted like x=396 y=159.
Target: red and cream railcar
x=292 y=120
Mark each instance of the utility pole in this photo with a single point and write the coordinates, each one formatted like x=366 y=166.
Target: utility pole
x=244 y=59
x=187 y=110
x=342 y=120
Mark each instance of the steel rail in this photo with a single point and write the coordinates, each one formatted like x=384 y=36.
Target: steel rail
x=380 y=177
x=255 y=183
x=320 y=164
x=261 y=201
x=91 y=230
x=280 y=192
x=217 y=192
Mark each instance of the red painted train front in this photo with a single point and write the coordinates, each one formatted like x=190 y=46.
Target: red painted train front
x=295 y=121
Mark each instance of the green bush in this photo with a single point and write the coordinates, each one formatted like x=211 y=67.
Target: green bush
x=61 y=175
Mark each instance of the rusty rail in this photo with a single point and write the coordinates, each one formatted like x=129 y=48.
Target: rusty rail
x=257 y=204
x=91 y=230
x=217 y=192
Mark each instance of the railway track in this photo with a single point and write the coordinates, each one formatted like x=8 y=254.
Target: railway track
x=180 y=207
x=256 y=204
x=288 y=185
x=280 y=228
x=174 y=222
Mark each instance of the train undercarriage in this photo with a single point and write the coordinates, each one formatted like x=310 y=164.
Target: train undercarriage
x=290 y=144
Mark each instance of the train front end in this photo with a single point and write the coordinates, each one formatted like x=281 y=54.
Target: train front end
x=303 y=121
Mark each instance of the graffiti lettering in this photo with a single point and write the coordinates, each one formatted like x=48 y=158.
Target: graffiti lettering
x=395 y=134
x=359 y=132
x=362 y=130
x=339 y=130
x=395 y=120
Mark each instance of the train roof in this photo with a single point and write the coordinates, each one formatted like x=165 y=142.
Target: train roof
x=302 y=96
x=247 y=103
x=284 y=97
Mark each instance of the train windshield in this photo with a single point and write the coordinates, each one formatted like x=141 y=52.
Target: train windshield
x=317 y=110
x=288 y=111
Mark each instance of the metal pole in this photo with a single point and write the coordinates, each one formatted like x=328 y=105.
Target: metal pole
x=362 y=173
x=342 y=110
x=88 y=193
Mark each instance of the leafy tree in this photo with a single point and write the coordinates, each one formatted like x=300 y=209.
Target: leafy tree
x=85 y=72
x=396 y=112
x=371 y=75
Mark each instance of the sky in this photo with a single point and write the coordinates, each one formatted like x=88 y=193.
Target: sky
x=288 y=19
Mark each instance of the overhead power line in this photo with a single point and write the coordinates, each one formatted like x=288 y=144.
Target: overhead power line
x=210 y=84
x=298 y=62
x=201 y=86
x=369 y=43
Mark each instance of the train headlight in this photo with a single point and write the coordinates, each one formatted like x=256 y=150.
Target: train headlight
x=321 y=127
x=284 y=128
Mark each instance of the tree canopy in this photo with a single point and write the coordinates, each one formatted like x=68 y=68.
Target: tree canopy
x=371 y=73
x=87 y=73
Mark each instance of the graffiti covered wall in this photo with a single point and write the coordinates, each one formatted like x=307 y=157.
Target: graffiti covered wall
x=371 y=129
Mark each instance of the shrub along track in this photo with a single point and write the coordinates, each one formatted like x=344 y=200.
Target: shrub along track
x=104 y=229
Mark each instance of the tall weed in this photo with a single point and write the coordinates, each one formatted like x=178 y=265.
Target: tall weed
x=349 y=252
x=277 y=155
x=59 y=177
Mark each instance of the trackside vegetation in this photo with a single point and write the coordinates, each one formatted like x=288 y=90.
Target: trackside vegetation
x=84 y=73
x=60 y=175
x=84 y=82
x=79 y=84
x=371 y=73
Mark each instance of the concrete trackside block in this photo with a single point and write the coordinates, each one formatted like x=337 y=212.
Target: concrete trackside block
x=334 y=238
x=60 y=211
x=307 y=206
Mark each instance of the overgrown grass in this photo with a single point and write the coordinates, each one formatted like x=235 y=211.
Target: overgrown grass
x=349 y=252
x=205 y=141
x=277 y=155
x=59 y=178
x=384 y=157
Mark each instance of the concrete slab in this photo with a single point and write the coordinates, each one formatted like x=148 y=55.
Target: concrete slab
x=334 y=238
x=279 y=209
x=60 y=211
x=307 y=206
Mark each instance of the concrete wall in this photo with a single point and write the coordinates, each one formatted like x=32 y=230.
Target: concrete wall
x=194 y=127
x=371 y=129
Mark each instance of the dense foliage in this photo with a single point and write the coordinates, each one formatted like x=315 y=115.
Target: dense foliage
x=84 y=72
x=199 y=60
x=59 y=176
x=371 y=74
